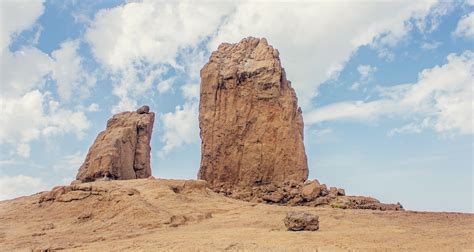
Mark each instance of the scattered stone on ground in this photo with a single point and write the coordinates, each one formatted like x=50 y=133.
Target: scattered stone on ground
x=301 y=221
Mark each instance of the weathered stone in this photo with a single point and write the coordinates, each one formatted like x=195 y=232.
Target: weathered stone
x=300 y=221
x=333 y=192
x=324 y=190
x=122 y=151
x=361 y=202
x=251 y=125
x=341 y=192
x=311 y=190
x=274 y=197
x=143 y=110
x=320 y=201
x=296 y=200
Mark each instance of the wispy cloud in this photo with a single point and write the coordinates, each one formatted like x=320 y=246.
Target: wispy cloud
x=441 y=100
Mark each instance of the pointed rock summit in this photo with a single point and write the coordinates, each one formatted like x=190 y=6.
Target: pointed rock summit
x=251 y=125
x=122 y=150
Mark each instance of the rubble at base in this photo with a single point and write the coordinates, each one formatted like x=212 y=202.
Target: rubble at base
x=309 y=193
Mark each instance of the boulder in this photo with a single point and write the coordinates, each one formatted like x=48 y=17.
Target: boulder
x=311 y=190
x=301 y=221
x=341 y=192
x=251 y=124
x=122 y=151
x=274 y=197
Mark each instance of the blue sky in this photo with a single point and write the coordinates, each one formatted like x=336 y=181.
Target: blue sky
x=385 y=88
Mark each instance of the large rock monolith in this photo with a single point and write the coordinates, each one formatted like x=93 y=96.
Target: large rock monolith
x=251 y=125
x=122 y=150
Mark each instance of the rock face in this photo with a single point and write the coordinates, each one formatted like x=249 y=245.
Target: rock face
x=122 y=151
x=301 y=221
x=251 y=125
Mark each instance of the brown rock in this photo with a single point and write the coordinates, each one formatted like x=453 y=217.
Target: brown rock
x=320 y=201
x=300 y=221
x=362 y=202
x=333 y=192
x=143 y=110
x=251 y=125
x=122 y=151
x=341 y=192
x=311 y=190
x=274 y=197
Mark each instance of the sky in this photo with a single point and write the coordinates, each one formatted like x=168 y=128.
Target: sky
x=386 y=87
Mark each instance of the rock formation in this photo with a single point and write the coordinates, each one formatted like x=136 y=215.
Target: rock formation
x=122 y=151
x=251 y=125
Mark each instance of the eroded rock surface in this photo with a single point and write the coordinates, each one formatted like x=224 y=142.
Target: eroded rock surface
x=251 y=125
x=122 y=150
x=301 y=221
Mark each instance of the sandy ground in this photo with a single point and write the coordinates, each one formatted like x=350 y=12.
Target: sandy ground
x=172 y=215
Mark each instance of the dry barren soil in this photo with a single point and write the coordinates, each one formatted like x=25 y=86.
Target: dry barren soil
x=178 y=215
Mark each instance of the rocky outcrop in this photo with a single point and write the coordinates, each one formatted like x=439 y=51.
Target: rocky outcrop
x=122 y=151
x=251 y=125
x=301 y=221
x=309 y=193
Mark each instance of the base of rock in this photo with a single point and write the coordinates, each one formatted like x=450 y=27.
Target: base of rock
x=309 y=193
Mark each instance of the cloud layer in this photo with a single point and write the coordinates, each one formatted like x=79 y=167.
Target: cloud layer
x=441 y=99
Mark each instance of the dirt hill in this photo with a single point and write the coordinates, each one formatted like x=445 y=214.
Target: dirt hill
x=151 y=215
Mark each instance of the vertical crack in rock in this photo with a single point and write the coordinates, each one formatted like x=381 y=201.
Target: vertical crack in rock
x=122 y=150
x=250 y=122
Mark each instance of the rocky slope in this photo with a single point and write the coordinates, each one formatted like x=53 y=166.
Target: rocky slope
x=122 y=150
x=251 y=125
x=176 y=215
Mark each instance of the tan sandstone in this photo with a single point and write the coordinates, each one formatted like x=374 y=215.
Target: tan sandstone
x=251 y=125
x=122 y=150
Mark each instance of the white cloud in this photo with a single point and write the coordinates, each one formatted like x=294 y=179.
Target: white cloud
x=68 y=71
x=94 y=107
x=131 y=39
x=23 y=150
x=27 y=69
x=366 y=73
x=319 y=133
x=20 y=185
x=411 y=128
x=350 y=110
x=441 y=99
x=138 y=42
x=430 y=46
x=23 y=70
x=180 y=127
x=465 y=27
x=165 y=85
x=34 y=115
x=26 y=113
x=190 y=91
x=16 y=16
x=70 y=162
x=311 y=58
